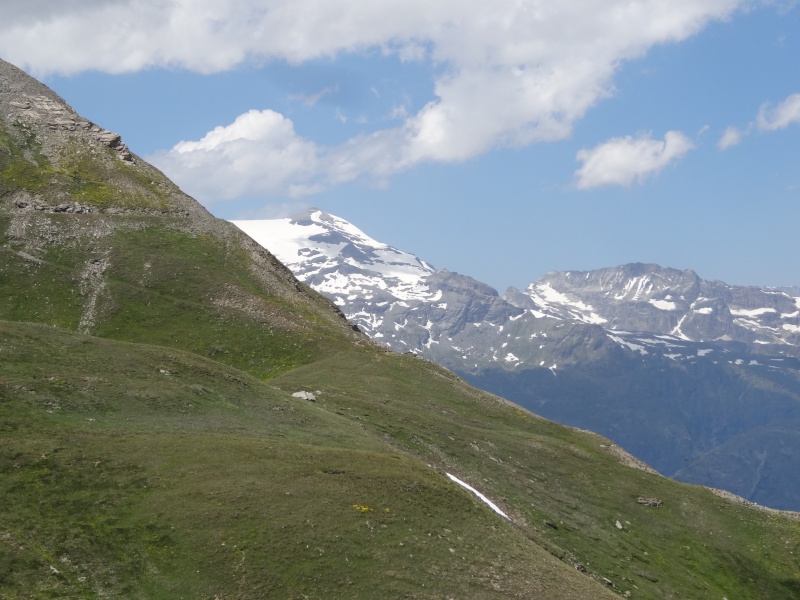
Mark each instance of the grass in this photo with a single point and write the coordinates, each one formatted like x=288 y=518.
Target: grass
x=22 y=165
x=184 y=290
x=105 y=181
x=86 y=173
x=132 y=463
x=168 y=287
x=696 y=545
x=38 y=290
x=205 y=481
x=140 y=471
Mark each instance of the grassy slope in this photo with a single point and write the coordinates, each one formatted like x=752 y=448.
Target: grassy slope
x=138 y=471
x=696 y=545
x=163 y=285
x=135 y=471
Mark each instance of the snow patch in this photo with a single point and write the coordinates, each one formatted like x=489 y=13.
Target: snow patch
x=664 y=305
x=483 y=498
x=540 y=315
x=544 y=295
x=630 y=345
x=740 y=312
x=677 y=331
x=643 y=286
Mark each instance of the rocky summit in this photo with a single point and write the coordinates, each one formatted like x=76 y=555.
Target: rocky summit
x=180 y=417
x=699 y=378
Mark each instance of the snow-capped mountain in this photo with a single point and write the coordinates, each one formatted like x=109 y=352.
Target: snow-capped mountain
x=391 y=295
x=341 y=261
x=641 y=297
x=700 y=379
x=401 y=300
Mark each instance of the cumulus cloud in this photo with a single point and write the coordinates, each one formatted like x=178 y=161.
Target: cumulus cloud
x=259 y=154
x=625 y=160
x=508 y=73
x=781 y=116
x=730 y=137
x=207 y=35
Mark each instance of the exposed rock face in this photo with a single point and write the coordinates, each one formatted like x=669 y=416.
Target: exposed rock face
x=41 y=108
x=59 y=146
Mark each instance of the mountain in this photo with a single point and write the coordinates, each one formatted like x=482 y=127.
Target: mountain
x=649 y=298
x=180 y=417
x=700 y=379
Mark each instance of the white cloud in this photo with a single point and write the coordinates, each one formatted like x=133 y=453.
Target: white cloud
x=731 y=137
x=769 y=118
x=208 y=35
x=508 y=73
x=258 y=154
x=623 y=161
x=781 y=116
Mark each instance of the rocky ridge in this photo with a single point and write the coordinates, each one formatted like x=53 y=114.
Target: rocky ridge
x=75 y=159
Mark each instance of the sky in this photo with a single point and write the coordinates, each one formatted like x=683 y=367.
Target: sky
x=500 y=140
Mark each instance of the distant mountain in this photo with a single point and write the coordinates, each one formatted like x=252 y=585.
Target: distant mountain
x=698 y=378
x=649 y=298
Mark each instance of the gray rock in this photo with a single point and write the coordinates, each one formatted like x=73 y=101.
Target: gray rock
x=648 y=501
x=110 y=139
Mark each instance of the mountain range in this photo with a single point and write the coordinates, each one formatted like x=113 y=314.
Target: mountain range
x=180 y=417
x=698 y=378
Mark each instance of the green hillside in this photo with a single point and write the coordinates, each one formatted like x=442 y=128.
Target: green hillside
x=151 y=447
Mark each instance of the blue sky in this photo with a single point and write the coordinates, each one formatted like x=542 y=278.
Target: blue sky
x=500 y=140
